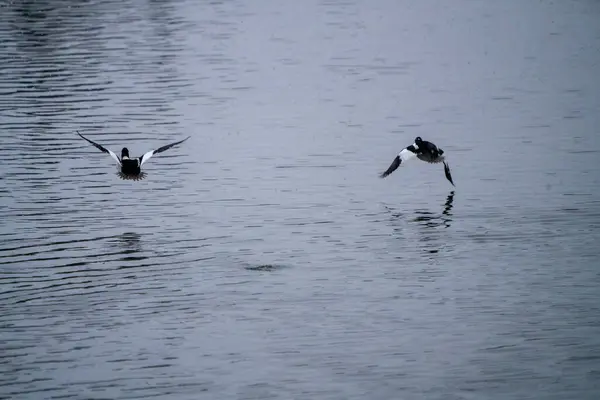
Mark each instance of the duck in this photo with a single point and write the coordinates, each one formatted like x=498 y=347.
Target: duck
x=130 y=168
x=424 y=151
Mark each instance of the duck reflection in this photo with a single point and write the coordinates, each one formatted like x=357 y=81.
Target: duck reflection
x=434 y=220
x=448 y=204
x=429 y=225
x=130 y=240
x=131 y=246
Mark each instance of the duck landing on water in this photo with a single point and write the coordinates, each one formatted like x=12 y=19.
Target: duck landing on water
x=130 y=168
x=423 y=150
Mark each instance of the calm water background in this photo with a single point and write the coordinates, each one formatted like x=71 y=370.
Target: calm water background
x=264 y=258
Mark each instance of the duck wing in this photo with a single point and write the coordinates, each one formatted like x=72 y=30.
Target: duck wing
x=101 y=148
x=393 y=166
x=447 y=173
x=405 y=155
x=149 y=154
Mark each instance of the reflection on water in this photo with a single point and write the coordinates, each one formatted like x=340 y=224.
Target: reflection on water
x=128 y=246
x=264 y=267
x=425 y=224
x=448 y=205
x=130 y=241
x=426 y=217
x=430 y=219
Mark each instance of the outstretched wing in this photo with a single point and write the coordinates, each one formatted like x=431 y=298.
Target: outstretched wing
x=103 y=149
x=394 y=166
x=403 y=156
x=447 y=173
x=149 y=154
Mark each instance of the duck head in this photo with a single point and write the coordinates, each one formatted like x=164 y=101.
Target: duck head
x=418 y=142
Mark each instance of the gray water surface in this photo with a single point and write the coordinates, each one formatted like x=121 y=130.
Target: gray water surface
x=264 y=258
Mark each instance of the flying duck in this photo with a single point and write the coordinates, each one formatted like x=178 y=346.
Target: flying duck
x=130 y=168
x=423 y=150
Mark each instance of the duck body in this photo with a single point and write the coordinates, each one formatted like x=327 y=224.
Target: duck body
x=424 y=151
x=131 y=168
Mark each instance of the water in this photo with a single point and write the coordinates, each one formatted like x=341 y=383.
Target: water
x=264 y=258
